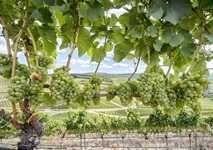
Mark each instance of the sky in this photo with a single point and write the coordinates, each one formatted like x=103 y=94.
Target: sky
x=83 y=64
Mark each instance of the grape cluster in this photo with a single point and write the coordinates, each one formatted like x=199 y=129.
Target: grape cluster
x=124 y=91
x=45 y=61
x=62 y=86
x=111 y=90
x=205 y=55
x=4 y=59
x=22 y=70
x=39 y=76
x=17 y=88
x=152 y=89
x=89 y=90
x=191 y=90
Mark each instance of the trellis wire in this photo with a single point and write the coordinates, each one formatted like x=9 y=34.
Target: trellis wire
x=130 y=141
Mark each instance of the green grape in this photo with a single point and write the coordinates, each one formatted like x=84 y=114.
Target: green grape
x=4 y=59
x=125 y=93
x=22 y=70
x=111 y=90
x=152 y=89
x=62 y=86
x=45 y=61
x=17 y=88
x=89 y=90
x=36 y=85
x=191 y=90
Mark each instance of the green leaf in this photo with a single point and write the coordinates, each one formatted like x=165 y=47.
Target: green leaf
x=98 y=55
x=158 y=45
x=199 y=68
x=50 y=2
x=6 y=67
x=47 y=100
x=189 y=50
x=209 y=37
x=122 y=49
x=82 y=11
x=173 y=10
x=207 y=4
x=153 y=31
x=156 y=12
x=138 y=32
x=107 y=4
x=61 y=18
x=84 y=41
x=39 y=2
x=95 y=12
x=46 y=15
x=48 y=46
x=130 y=56
x=36 y=14
x=172 y=38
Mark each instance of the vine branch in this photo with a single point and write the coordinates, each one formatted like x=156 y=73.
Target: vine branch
x=6 y=35
x=171 y=63
x=34 y=46
x=136 y=68
x=74 y=45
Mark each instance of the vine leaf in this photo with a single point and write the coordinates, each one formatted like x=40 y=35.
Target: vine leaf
x=84 y=41
x=209 y=37
x=122 y=49
x=174 y=39
x=95 y=12
x=158 y=45
x=170 y=10
x=36 y=14
x=98 y=55
x=153 y=31
x=189 y=50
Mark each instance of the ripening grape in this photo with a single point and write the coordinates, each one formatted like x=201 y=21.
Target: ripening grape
x=45 y=61
x=89 y=90
x=191 y=90
x=17 y=88
x=125 y=93
x=4 y=59
x=111 y=90
x=36 y=85
x=152 y=89
x=62 y=86
x=22 y=70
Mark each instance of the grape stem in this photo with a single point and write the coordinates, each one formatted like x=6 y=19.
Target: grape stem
x=198 y=50
x=6 y=36
x=34 y=46
x=148 y=53
x=74 y=45
x=96 y=70
x=171 y=63
x=136 y=68
x=16 y=41
x=26 y=55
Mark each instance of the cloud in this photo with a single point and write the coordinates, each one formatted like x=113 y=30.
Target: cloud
x=103 y=65
x=210 y=66
x=106 y=59
x=85 y=66
x=61 y=51
x=121 y=65
x=110 y=54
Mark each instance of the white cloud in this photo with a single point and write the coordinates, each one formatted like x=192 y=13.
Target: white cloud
x=103 y=65
x=61 y=51
x=106 y=59
x=110 y=54
x=121 y=65
x=210 y=66
x=85 y=66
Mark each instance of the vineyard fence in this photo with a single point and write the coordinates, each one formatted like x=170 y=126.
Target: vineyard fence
x=123 y=141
